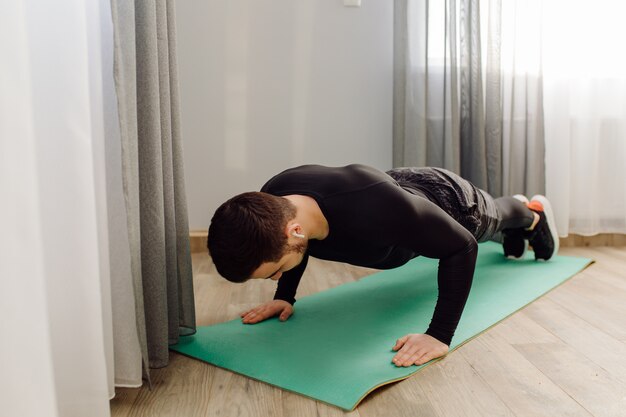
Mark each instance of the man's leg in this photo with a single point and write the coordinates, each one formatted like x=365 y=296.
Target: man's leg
x=476 y=210
x=514 y=214
x=517 y=227
x=515 y=224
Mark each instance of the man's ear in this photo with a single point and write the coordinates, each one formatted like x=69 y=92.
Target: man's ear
x=294 y=229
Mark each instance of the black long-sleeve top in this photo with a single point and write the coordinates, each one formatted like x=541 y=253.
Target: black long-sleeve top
x=373 y=222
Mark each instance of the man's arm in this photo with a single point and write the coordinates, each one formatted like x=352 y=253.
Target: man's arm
x=435 y=234
x=289 y=281
x=454 y=280
x=282 y=304
x=429 y=231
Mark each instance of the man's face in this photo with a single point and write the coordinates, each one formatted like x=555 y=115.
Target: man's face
x=274 y=270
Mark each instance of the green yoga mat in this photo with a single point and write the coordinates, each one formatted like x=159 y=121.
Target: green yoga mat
x=336 y=347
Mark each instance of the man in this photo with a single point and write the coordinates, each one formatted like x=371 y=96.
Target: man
x=362 y=216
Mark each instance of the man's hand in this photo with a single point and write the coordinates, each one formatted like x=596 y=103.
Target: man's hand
x=267 y=310
x=417 y=349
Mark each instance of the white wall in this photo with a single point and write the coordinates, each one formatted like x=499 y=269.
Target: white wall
x=270 y=84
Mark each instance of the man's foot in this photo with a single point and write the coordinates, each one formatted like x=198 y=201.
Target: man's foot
x=543 y=237
x=514 y=243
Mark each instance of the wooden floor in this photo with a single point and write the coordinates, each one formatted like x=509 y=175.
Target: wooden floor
x=563 y=355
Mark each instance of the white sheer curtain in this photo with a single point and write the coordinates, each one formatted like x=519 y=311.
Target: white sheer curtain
x=55 y=312
x=585 y=114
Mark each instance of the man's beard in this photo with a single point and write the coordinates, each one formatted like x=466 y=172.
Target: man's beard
x=299 y=247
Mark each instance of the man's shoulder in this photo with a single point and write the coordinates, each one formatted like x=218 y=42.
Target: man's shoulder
x=320 y=176
x=317 y=169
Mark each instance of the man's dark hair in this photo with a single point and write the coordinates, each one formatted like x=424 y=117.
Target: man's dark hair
x=246 y=231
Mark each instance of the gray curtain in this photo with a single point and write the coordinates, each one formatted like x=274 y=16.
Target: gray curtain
x=146 y=81
x=455 y=107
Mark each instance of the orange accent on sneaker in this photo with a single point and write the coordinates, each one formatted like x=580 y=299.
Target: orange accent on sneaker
x=535 y=205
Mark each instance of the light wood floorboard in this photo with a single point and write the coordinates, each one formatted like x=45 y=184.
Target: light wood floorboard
x=563 y=355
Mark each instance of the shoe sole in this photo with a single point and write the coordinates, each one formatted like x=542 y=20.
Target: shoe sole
x=524 y=200
x=547 y=209
x=521 y=198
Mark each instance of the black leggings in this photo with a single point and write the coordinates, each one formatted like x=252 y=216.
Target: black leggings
x=513 y=214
